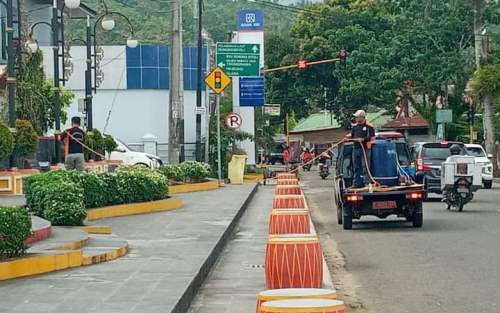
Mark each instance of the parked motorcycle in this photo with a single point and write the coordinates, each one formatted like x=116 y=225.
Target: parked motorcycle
x=324 y=170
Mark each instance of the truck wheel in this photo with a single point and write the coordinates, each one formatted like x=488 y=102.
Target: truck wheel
x=347 y=217
x=339 y=213
x=418 y=216
x=488 y=184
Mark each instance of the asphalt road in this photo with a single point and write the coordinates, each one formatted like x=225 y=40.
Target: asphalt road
x=450 y=265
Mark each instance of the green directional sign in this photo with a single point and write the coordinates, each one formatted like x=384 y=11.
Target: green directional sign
x=239 y=59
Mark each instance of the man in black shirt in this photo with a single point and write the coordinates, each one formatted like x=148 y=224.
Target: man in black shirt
x=73 y=149
x=363 y=132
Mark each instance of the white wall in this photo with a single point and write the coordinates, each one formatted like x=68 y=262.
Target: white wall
x=134 y=113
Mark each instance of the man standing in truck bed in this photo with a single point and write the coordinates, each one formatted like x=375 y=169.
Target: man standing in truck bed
x=364 y=133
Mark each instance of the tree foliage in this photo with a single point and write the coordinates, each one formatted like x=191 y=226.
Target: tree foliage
x=428 y=43
x=34 y=96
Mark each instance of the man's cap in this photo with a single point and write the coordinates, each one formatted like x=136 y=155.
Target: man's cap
x=360 y=113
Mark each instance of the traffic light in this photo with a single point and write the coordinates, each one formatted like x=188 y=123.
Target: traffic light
x=301 y=64
x=343 y=54
x=218 y=80
x=471 y=115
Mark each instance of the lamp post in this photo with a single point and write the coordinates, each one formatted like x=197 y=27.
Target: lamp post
x=55 y=26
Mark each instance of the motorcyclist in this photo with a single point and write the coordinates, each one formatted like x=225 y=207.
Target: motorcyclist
x=306 y=156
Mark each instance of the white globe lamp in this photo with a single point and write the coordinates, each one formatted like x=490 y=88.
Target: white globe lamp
x=108 y=23
x=72 y=4
x=132 y=43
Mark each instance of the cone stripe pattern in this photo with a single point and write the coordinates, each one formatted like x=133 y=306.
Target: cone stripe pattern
x=293 y=264
x=285 y=176
x=284 y=190
x=288 y=182
x=289 y=202
x=289 y=222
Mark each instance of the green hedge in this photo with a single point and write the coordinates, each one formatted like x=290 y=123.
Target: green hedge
x=63 y=196
x=15 y=228
x=189 y=171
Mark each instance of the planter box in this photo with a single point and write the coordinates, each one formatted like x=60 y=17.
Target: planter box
x=134 y=208
x=194 y=187
x=11 y=182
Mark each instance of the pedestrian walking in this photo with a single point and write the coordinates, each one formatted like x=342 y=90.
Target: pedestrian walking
x=364 y=133
x=73 y=150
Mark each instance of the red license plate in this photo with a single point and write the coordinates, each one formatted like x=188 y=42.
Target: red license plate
x=380 y=205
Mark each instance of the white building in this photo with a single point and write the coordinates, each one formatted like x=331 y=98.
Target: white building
x=133 y=100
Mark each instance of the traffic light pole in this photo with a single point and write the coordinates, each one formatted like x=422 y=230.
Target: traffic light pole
x=300 y=66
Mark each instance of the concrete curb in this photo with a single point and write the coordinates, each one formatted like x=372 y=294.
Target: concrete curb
x=189 y=294
x=196 y=187
x=134 y=209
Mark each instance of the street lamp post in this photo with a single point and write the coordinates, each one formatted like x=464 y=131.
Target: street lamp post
x=33 y=46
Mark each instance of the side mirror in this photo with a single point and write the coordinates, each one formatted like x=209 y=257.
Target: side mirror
x=490 y=156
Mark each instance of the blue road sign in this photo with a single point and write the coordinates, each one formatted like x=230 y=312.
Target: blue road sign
x=250 y=20
x=252 y=91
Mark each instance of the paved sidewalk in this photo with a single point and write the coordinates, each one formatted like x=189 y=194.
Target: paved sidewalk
x=167 y=250
x=237 y=279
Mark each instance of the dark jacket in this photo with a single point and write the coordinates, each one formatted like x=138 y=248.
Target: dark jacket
x=365 y=131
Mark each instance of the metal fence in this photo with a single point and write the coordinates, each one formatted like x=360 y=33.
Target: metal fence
x=189 y=150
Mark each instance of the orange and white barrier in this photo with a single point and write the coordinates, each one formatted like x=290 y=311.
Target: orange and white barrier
x=295 y=293
x=289 y=221
x=293 y=261
x=303 y=306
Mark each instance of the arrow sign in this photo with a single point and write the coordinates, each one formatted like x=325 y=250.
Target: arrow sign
x=239 y=59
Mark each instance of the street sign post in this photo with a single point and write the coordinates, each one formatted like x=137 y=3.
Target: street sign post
x=233 y=121
x=239 y=59
x=272 y=109
x=250 y=20
x=217 y=80
x=444 y=116
x=252 y=91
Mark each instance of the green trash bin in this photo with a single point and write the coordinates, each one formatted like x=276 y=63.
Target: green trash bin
x=236 y=169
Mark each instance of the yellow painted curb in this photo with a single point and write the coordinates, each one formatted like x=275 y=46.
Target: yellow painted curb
x=105 y=257
x=134 y=208
x=97 y=230
x=39 y=264
x=205 y=186
x=253 y=178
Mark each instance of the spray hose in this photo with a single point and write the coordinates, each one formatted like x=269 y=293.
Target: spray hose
x=365 y=156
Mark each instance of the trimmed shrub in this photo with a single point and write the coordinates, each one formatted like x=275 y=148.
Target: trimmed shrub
x=26 y=138
x=138 y=184
x=195 y=171
x=109 y=144
x=173 y=173
x=62 y=196
x=190 y=171
x=6 y=141
x=57 y=196
x=15 y=228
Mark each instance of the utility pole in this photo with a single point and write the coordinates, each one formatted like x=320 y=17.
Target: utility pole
x=176 y=105
x=199 y=80
x=88 y=78
x=56 y=89
x=11 y=79
x=486 y=100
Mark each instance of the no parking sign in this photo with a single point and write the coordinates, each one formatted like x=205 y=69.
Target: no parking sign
x=233 y=121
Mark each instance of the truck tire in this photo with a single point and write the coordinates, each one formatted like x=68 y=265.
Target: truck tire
x=347 y=217
x=339 y=213
x=488 y=184
x=418 y=216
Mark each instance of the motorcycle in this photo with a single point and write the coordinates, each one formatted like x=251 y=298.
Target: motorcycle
x=324 y=170
x=459 y=195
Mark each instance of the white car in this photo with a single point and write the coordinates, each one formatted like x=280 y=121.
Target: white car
x=483 y=159
x=130 y=157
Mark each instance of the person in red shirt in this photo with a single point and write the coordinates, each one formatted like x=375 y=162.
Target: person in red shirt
x=286 y=156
